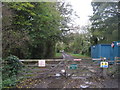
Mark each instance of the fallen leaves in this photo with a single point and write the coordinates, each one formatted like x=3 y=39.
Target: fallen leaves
x=28 y=83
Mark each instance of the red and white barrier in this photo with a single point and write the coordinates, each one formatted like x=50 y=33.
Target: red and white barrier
x=77 y=59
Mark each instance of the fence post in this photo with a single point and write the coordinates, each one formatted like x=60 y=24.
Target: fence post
x=104 y=70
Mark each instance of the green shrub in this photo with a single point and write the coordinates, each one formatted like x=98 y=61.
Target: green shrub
x=9 y=82
x=10 y=69
x=12 y=65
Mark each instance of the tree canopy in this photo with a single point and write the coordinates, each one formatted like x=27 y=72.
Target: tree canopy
x=32 y=29
x=104 y=22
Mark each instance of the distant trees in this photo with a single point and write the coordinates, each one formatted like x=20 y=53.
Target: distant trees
x=77 y=43
x=105 y=21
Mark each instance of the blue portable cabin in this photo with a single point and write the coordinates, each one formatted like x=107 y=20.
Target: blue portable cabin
x=106 y=50
x=100 y=50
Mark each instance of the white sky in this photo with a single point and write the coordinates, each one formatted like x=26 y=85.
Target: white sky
x=83 y=9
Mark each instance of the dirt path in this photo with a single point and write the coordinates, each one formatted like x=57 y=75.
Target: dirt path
x=87 y=75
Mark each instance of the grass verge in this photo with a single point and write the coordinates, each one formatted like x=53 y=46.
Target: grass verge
x=58 y=55
x=78 y=55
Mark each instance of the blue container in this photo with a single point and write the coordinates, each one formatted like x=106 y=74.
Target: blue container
x=115 y=51
x=101 y=50
x=109 y=51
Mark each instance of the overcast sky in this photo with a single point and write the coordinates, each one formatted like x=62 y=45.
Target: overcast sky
x=83 y=9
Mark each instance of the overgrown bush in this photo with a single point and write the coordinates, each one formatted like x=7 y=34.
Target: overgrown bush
x=8 y=82
x=11 y=67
